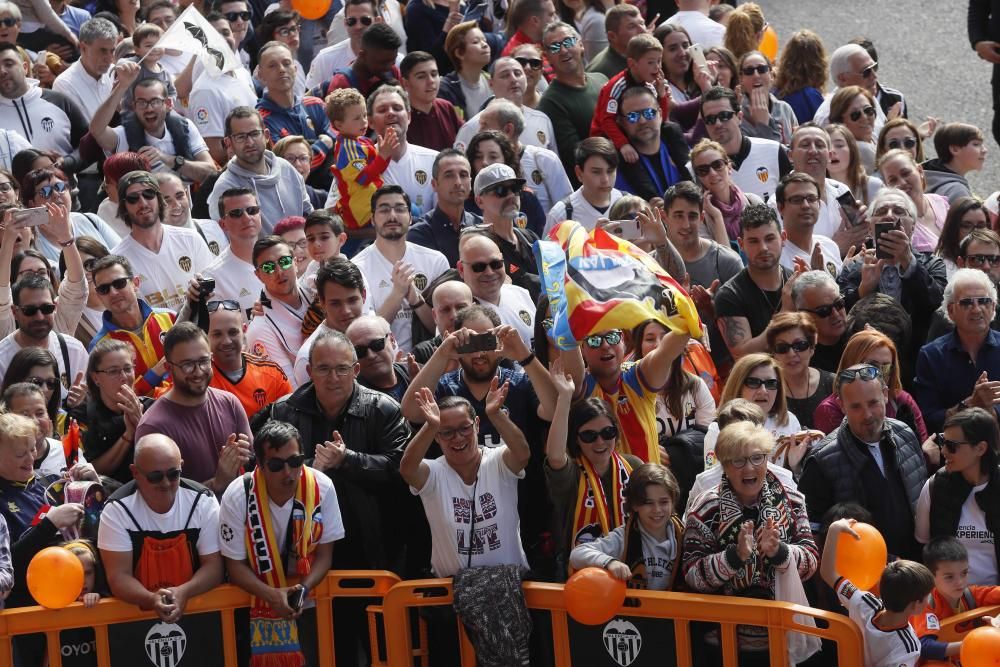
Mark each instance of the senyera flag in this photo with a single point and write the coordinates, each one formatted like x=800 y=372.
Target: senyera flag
x=191 y=33
x=596 y=281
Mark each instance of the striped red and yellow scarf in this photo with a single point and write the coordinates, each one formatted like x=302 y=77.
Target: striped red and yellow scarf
x=274 y=642
x=595 y=508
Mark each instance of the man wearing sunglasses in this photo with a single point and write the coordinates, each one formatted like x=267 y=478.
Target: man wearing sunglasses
x=758 y=164
x=870 y=459
x=850 y=65
x=377 y=351
x=817 y=293
x=132 y=320
x=961 y=368
x=167 y=256
x=397 y=270
x=663 y=153
x=481 y=266
x=980 y=249
x=160 y=525
x=233 y=269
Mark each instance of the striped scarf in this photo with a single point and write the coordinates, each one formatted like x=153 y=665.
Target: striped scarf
x=274 y=642
x=596 y=509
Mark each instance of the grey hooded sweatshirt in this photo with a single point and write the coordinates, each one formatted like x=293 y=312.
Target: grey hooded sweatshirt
x=281 y=192
x=943 y=181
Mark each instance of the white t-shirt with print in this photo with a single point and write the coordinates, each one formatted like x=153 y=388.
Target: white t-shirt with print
x=164 y=275
x=448 y=503
x=234 y=279
x=113 y=534
x=583 y=212
x=377 y=270
x=412 y=173
x=699 y=409
x=972 y=532
x=516 y=309
x=277 y=334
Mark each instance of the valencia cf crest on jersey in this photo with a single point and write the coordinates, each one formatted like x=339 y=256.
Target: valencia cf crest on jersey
x=536 y=177
x=762 y=174
x=421 y=176
x=185 y=263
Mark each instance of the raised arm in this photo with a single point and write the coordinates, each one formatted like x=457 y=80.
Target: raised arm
x=126 y=74
x=828 y=566
x=517 y=454
x=412 y=467
x=430 y=374
x=655 y=366
x=513 y=347
x=555 y=444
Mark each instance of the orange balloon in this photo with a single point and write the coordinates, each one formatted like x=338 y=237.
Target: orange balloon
x=55 y=577
x=862 y=561
x=311 y=9
x=769 y=44
x=594 y=595
x=981 y=648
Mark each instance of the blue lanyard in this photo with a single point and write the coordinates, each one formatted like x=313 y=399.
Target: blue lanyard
x=669 y=170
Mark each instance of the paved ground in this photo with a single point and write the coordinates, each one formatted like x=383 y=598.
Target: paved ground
x=923 y=51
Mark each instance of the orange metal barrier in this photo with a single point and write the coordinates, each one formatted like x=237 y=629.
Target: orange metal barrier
x=682 y=608
x=225 y=599
x=954 y=628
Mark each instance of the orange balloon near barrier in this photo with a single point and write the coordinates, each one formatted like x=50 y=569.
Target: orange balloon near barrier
x=593 y=595
x=55 y=577
x=981 y=648
x=769 y=44
x=862 y=561
x=311 y=9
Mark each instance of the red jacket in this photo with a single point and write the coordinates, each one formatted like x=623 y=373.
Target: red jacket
x=605 y=121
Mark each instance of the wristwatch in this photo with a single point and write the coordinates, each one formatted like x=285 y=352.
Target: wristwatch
x=179 y=163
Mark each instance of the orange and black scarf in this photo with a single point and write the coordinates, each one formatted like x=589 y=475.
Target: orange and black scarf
x=598 y=509
x=274 y=642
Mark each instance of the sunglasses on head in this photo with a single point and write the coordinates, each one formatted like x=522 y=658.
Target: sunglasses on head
x=479 y=267
x=649 y=113
x=606 y=433
x=907 y=143
x=533 y=63
x=277 y=465
x=237 y=213
x=722 y=116
x=118 y=283
x=352 y=21
x=983 y=301
x=771 y=384
x=705 y=169
x=157 y=476
x=884 y=369
x=568 y=43
x=801 y=345
x=149 y=194
x=866 y=373
x=31 y=311
x=855 y=115
x=824 y=312
x=375 y=346
x=759 y=69
x=237 y=16
x=611 y=338
x=225 y=304
x=505 y=189
x=46 y=190
x=283 y=262
x=48 y=383
x=9 y=22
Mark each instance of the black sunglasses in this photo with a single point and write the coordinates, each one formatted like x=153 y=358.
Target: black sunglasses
x=375 y=346
x=149 y=194
x=722 y=116
x=277 y=465
x=225 y=304
x=352 y=21
x=117 y=283
x=9 y=22
x=824 y=312
x=983 y=301
x=866 y=373
x=856 y=114
x=49 y=383
x=759 y=69
x=771 y=384
x=233 y=16
x=951 y=445
x=606 y=433
x=705 y=169
x=237 y=213
x=801 y=345
x=533 y=63
x=157 y=476
x=612 y=338
x=907 y=143
x=505 y=189
x=31 y=311
x=868 y=71
x=979 y=260
x=479 y=267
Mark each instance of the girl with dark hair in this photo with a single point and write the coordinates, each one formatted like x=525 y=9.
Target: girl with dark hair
x=764 y=115
x=727 y=73
x=963 y=499
x=40 y=368
x=676 y=61
x=964 y=215
x=585 y=474
x=9 y=189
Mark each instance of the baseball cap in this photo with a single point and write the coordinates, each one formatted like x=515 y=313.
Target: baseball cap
x=495 y=174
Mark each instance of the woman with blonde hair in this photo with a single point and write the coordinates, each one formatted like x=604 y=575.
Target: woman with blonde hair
x=845 y=164
x=876 y=349
x=801 y=76
x=744 y=29
x=900 y=170
x=713 y=169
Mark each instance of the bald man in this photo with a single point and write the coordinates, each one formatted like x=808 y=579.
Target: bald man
x=158 y=505
x=446 y=299
x=481 y=267
x=376 y=348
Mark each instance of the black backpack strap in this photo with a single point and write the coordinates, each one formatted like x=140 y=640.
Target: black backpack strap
x=64 y=350
x=130 y=515
x=193 y=506
x=569 y=208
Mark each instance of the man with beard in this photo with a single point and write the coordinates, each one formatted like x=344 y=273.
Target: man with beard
x=376 y=348
x=758 y=164
x=663 y=153
x=439 y=229
x=410 y=165
x=255 y=382
x=155 y=131
x=980 y=249
x=276 y=335
x=34 y=304
x=961 y=369
x=131 y=319
x=279 y=189
x=233 y=271
x=482 y=268
x=396 y=269
x=744 y=305
x=209 y=426
x=870 y=459
x=798 y=203
x=167 y=256
x=816 y=292
x=572 y=94
x=178 y=212
x=340 y=290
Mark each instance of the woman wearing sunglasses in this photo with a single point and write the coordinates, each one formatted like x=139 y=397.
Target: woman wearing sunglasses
x=9 y=189
x=855 y=108
x=900 y=170
x=791 y=339
x=50 y=186
x=764 y=115
x=965 y=215
x=723 y=198
x=40 y=368
x=962 y=500
x=585 y=473
x=845 y=164
x=875 y=349
x=530 y=57
x=900 y=133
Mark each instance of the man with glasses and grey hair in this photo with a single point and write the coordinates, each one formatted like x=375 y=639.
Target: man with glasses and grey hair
x=961 y=369
x=980 y=249
x=816 y=292
x=870 y=459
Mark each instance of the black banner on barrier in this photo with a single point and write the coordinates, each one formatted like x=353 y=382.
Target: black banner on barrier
x=194 y=641
x=623 y=642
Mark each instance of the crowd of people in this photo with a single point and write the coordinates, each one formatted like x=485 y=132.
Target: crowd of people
x=265 y=320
